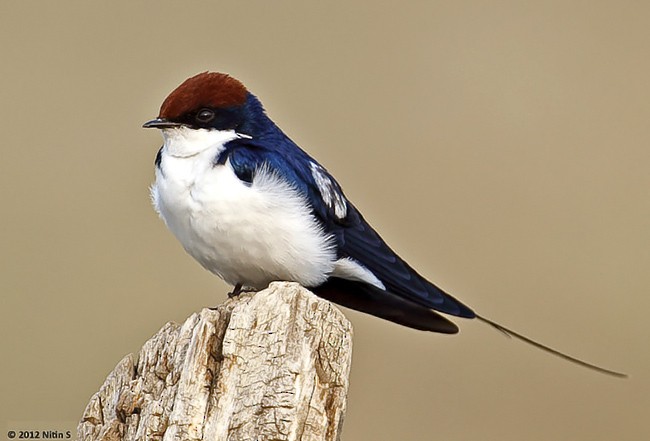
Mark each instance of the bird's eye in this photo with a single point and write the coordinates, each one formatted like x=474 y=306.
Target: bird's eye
x=205 y=116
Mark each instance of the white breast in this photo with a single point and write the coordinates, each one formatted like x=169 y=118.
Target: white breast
x=249 y=234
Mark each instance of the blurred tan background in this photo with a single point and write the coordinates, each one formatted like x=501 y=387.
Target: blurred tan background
x=503 y=148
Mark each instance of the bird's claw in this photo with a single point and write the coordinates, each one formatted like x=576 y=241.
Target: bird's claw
x=235 y=291
x=238 y=289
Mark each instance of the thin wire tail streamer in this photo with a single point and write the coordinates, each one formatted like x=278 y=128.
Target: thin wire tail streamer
x=511 y=333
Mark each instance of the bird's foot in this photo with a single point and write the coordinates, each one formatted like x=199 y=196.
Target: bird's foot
x=238 y=289
x=235 y=291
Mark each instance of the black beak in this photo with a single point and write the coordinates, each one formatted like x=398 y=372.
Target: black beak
x=160 y=123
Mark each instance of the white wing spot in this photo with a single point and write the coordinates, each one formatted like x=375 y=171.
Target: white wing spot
x=328 y=191
x=350 y=269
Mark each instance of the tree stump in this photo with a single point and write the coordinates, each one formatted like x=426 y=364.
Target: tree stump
x=272 y=365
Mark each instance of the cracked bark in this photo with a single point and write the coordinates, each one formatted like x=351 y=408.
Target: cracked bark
x=267 y=366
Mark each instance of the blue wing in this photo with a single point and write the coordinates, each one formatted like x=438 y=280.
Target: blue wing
x=361 y=242
x=408 y=297
x=246 y=156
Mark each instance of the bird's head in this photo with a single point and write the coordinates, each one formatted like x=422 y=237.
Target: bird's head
x=209 y=106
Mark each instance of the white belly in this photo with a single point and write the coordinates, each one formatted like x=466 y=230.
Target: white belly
x=249 y=234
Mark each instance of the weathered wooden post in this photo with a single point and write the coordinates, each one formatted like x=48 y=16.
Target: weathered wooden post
x=272 y=365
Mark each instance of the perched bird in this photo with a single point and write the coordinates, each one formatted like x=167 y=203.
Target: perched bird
x=252 y=207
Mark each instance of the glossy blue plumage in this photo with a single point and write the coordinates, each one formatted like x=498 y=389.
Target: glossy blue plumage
x=269 y=147
x=252 y=207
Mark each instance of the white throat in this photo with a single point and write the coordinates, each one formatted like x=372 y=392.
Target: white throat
x=183 y=142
